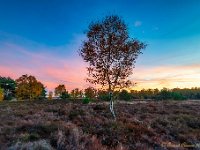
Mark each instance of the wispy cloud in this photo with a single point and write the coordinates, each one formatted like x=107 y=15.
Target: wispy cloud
x=137 y=23
x=54 y=66
x=167 y=76
x=51 y=66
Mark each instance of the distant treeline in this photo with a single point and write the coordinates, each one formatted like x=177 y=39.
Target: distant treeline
x=29 y=88
x=164 y=94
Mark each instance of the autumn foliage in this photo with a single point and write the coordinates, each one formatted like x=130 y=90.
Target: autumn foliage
x=50 y=95
x=110 y=52
x=59 y=90
x=28 y=88
x=1 y=94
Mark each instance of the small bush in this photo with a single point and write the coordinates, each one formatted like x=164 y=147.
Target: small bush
x=86 y=100
x=177 y=96
x=164 y=94
x=64 y=95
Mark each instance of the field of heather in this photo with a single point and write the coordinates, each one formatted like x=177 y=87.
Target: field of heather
x=66 y=125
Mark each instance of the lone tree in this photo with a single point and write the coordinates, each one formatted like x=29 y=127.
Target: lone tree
x=111 y=54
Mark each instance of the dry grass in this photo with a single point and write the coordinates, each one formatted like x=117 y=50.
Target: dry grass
x=65 y=125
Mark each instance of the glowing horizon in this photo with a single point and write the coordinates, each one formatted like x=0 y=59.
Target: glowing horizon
x=44 y=43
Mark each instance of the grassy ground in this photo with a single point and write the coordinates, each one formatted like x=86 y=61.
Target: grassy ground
x=63 y=125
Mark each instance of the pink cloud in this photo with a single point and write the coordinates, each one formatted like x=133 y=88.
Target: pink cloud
x=52 y=69
x=46 y=67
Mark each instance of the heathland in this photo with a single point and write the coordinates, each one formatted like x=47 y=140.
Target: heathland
x=67 y=124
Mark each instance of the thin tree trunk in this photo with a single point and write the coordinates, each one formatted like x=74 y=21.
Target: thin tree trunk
x=111 y=105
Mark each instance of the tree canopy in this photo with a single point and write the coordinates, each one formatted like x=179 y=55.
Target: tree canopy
x=60 y=89
x=90 y=92
x=8 y=85
x=110 y=52
x=28 y=87
x=76 y=93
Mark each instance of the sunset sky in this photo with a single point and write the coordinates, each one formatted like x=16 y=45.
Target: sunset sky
x=42 y=37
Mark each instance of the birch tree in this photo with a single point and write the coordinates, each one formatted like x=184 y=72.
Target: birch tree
x=111 y=54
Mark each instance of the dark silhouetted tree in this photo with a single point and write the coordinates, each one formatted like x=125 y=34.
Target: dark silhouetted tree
x=8 y=85
x=111 y=54
x=43 y=93
x=90 y=92
x=76 y=93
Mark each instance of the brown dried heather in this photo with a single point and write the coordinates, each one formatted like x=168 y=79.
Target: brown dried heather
x=63 y=125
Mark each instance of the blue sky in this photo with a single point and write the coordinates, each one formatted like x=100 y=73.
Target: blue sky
x=51 y=31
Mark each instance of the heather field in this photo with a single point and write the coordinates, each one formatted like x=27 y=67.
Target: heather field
x=61 y=124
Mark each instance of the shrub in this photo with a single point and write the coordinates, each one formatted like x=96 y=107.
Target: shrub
x=50 y=96
x=177 y=96
x=86 y=100
x=90 y=92
x=1 y=94
x=64 y=95
x=124 y=95
x=164 y=94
